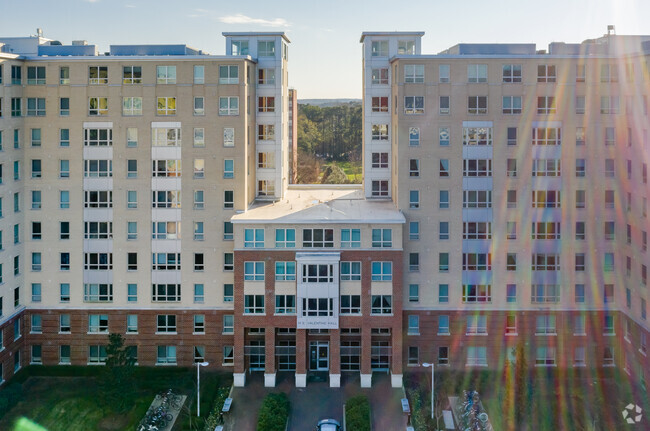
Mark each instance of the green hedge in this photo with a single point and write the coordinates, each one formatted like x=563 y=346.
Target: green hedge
x=213 y=420
x=274 y=413
x=357 y=413
x=10 y=395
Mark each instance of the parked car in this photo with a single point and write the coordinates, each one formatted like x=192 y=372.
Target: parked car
x=328 y=425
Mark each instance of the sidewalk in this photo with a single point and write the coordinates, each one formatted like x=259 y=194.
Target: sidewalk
x=317 y=401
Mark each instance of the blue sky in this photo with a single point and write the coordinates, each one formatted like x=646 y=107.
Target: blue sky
x=325 y=53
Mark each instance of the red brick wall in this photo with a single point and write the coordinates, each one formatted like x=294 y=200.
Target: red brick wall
x=11 y=346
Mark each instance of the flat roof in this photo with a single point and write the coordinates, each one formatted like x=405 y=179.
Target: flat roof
x=252 y=33
x=390 y=33
x=314 y=205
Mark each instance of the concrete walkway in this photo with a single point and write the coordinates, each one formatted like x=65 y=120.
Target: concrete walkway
x=317 y=401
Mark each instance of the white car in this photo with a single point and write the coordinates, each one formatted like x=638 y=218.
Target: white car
x=328 y=425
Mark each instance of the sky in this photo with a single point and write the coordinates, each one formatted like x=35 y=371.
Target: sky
x=325 y=53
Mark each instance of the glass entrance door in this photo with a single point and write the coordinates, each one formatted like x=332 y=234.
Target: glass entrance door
x=319 y=355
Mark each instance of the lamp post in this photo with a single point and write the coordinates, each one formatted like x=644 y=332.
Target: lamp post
x=426 y=364
x=198 y=386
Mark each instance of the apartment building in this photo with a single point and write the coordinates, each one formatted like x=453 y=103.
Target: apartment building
x=522 y=175
x=504 y=201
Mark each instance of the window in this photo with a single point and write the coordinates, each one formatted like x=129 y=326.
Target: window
x=476 y=356
x=545 y=293
x=64 y=292
x=381 y=304
x=132 y=292
x=266 y=104
x=414 y=292
x=132 y=74
x=511 y=261
x=545 y=325
x=286 y=238
x=444 y=167
x=98 y=106
x=380 y=104
x=265 y=160
x=64 y=355
x=379 y=48
x=131 y=323
x=545 y=73
x=443 y=262
x=285 y=304
x=444 y=199
x=199 y=324
x=547 y=136
x=229 y=168
x=97 y=354
x=265 y=132
x=16 y=75
x=254 y=271
x=350 y=304
x=443 y=230
x=476 y=325
x=580 y=199
x=64 y=230
x=511 y=73
x=545 y=356
x=413 y=326
x=546 y=105
x=479 y=167
x=37 y=291
x=35 y=107
x=610 y=171
x=199 y=294
x=64 y=75
x=166 y=261
x=477 y=199
x=64 y=106
x=98 y=292
x=166 y=74
x=580 y=104
x=546 y=167
x=36 y=200
x=266 y=48
x=98 y=323
x=266 y=76
x=379 y=188
x=286 y=271
x=380 y=160
x=477 y=73
x=132 y=106
x=382 y=271
x=379 y=76
x=511 y=293
x=443 y=136
x=546 y=199
x=608 y=294
x=414 y=262
x=443 y=293
x=228 y=262
x=98 y=75
x=198 y=231
x=253 y=304
x=477 y=105
x=313 y=238
x=511 y=105
x=199 y=264
x=413 y=105
x=477 y=293
x=239 y=47
x=166 y=355
x=228 y=292
x=414 y=230
x=382 y=238
x=414 y=136
x=546 y=230
x=229 y=105
x=350 y=238
x=580 y=262
x=317 y=273
x=610 y=230
x=166 y=323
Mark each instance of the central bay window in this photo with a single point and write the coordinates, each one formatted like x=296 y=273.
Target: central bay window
x=165 y=292
x=317 y=273
x=546 y=199
x=98 y=292
x=318 y=307
x=477 y=293
x=477 y=261
x=545 y=262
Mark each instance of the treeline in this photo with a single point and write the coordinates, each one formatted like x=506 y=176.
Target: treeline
x=330 y=133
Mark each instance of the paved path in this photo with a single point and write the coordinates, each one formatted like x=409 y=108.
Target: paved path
x=317 y=401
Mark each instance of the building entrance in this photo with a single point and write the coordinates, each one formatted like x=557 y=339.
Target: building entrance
x=319 y=356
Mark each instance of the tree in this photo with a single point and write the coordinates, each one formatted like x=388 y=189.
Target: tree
x=334 y=175
x=521 y=385
x=508 y=395
x=116 y=379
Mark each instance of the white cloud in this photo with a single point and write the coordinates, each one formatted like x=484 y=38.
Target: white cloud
x=243 y=19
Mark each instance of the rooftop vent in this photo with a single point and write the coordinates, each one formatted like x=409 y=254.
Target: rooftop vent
x=79 y=42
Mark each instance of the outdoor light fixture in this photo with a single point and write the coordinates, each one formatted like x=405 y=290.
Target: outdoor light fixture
x=198 y=386
x=427 y=364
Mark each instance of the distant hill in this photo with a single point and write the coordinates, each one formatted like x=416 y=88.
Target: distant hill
x=327 y=102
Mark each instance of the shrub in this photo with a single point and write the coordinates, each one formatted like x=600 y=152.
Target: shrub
x=274 y=413
x=9 y=397
x=357 y=413
x=213 y=420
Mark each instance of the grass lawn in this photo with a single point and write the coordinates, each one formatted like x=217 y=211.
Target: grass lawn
x=352 y=171
x=573 y=400
x=57 y=400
